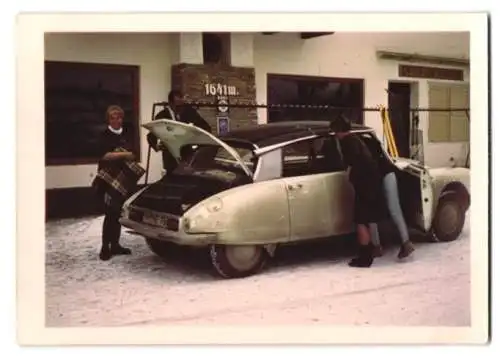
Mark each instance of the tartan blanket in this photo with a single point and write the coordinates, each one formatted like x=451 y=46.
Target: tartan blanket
x=116 y=183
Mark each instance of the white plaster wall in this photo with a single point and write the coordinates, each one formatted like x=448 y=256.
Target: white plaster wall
x=190 y=48
x=354 y=55
x=242 y=49
x=154 y=53
x=339 y=55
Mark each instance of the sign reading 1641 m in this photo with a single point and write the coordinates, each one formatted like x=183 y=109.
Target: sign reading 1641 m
x=219 y=89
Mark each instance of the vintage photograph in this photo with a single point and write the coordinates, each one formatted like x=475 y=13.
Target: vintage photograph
x=251 y=178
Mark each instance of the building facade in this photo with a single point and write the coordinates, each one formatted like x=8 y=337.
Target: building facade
x=86 y=72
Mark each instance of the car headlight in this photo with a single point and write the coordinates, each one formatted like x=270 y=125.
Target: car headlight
x=190 y=223
x=214 y=205
x=187 y=224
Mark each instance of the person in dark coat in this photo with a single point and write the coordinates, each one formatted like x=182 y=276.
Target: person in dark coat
x=178 y=111
x=364 y=175
x=114 y=150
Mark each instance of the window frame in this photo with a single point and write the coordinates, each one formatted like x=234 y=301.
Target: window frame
x=432 y=136
x=310 y=142
x=297 y=78
x=134 y=72
x=216 y=158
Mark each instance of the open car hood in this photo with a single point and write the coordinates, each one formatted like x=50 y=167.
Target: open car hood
x=174 y=135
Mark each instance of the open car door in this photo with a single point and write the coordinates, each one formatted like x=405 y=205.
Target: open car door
x=427 y=199
x=426 y=190
x=174 y=135
x=415 y=169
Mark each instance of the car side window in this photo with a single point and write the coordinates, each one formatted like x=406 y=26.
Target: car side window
x=224 y=157
x=270 y=166
x=296 y=159
x=315 y=156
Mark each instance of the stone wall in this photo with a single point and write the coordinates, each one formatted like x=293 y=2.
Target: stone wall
x=235 y=84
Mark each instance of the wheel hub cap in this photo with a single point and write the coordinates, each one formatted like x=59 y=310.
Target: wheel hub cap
x=243 y=257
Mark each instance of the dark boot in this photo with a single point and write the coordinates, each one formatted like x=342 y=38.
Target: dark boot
x=364 y=258
x=117 y=249
x=406 y=250
x=105 y=253
x=111 y=236
x=378 y=251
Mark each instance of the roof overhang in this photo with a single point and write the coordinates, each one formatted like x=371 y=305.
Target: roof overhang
x=311 y=35
x=305 y=35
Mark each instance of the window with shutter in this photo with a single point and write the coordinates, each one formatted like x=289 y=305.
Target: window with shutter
x=459 y=123
x=450 y=126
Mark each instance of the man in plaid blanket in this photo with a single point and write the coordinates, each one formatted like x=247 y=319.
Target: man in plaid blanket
x=115 y=181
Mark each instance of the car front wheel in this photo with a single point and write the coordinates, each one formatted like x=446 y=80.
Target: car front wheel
x=449 y=219
x=237 y=261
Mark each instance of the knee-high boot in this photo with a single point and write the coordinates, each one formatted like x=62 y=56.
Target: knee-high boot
x=364 y=258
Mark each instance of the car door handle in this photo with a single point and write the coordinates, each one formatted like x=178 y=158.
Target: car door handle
x=293 y=187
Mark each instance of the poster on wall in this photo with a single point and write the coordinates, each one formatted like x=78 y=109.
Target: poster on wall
x=222 y=105
x=222 y=125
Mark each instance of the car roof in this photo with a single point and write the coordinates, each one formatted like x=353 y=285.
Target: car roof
x=267 y=134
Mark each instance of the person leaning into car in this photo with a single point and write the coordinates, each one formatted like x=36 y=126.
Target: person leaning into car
x=391 y=191
x=364 y=175
x=176 y=110
x=391 y=196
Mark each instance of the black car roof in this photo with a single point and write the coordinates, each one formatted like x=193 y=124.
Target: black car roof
x=273 y=133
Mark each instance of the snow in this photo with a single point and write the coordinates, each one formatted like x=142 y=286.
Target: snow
x=305 y=284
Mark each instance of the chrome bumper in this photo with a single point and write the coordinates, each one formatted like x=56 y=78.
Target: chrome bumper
x=177 y=237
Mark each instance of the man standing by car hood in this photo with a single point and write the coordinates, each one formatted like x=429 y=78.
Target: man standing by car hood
x=175 y=110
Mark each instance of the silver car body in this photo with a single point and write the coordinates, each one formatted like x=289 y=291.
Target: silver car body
x=272 y=209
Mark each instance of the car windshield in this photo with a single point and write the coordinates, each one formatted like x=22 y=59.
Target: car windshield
x=213 y=160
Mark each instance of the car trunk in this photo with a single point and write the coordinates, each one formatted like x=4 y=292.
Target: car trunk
x=190 y=183
x=175 y=193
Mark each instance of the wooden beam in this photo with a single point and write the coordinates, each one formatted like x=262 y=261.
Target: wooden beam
x=409 y=57
x=431 y=72
x=310 y=35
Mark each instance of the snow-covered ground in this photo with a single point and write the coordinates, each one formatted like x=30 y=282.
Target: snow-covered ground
x=303 y=285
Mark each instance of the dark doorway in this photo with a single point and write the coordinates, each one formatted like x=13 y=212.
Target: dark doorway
x=399 y=114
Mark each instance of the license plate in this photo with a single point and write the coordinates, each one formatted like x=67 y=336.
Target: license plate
x=155 y=219
x=161 y=221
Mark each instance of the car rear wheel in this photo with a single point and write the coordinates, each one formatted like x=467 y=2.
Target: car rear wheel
x=160 y=248
x=449 y=218
x=237 y=261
